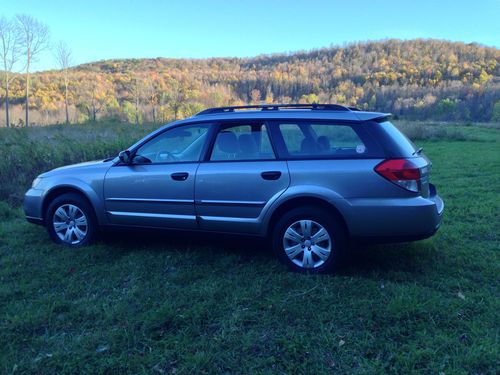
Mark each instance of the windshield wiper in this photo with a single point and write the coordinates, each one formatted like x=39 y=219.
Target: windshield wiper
x=418 y=151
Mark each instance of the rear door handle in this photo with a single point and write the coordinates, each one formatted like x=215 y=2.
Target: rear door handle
x=179 y=176
x=271 y=175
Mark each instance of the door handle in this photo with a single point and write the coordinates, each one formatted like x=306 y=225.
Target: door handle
x=271 y=175
x=179 y=176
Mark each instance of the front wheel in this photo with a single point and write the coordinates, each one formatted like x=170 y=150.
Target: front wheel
x=309 y=239
x=70 y=221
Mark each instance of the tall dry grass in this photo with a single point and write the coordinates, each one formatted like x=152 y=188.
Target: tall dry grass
x=419 y=131
x=27 y=152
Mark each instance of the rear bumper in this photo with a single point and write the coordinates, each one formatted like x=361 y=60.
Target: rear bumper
x=394 y=220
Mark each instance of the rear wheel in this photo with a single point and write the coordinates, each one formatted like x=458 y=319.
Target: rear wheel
x=70 y=221
x=309 y=239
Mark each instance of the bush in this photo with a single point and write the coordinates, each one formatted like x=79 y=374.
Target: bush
x=6 y=211
x=496 y=112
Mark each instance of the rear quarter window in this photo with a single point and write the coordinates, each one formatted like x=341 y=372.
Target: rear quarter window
x=393 y=140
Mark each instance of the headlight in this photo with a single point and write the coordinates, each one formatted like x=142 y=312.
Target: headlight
x=36 y=181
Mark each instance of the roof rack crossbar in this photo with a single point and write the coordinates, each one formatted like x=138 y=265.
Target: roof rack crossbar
x=276 y=107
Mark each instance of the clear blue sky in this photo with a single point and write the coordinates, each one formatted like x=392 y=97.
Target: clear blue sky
x=104 y=29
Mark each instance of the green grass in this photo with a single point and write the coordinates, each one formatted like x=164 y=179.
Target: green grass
x=188 y=304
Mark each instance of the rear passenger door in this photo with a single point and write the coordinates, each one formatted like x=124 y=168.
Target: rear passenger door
x=239 y=177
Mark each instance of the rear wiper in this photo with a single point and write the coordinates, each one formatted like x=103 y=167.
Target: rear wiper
x=418 y=151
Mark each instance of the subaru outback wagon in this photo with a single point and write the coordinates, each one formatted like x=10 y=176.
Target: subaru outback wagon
x=309 y=177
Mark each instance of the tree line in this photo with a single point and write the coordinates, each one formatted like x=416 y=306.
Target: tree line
x=415 y=79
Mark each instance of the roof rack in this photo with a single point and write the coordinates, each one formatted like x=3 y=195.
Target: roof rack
x=277 y=107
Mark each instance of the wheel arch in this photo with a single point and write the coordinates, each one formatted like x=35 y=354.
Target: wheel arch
x=304 y=201
x=65 y=189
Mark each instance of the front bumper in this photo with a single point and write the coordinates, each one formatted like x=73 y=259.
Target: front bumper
x=33 y=201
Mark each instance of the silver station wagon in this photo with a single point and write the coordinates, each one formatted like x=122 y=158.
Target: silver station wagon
x=310 y=177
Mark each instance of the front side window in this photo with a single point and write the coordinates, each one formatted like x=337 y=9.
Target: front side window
x=242 y=142
x=180 y=144
x=303 y=140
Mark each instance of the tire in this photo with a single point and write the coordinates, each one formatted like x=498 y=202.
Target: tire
x=70 y=221
x=315 y=240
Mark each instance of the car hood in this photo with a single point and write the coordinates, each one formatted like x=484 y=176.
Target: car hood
x=90 y=166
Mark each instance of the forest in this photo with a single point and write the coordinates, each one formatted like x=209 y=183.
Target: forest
x=421 y=79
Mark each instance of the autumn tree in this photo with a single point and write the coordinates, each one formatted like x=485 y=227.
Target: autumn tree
x=137 y=95
x=255 y=96
x=269 y=96
x=152 y=88
x=63 y=57
x=46 y=95
x=95 y=93
x=9 y=50
x=309 y=99
x=34 y=38
x=177 y=98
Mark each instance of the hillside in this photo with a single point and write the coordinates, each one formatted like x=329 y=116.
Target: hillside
x=417 y=79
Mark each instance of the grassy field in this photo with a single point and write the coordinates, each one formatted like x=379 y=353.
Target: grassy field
x=169 y=304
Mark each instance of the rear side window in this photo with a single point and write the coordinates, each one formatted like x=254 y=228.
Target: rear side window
x=309 y=140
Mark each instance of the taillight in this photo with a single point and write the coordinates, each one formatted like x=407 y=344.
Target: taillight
x=402 y=172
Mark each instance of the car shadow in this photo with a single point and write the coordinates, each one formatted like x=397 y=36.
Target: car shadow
x=390 y=260
x=162 y=240
x=362 y=259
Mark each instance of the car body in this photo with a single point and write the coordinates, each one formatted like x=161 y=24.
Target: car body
x=243 y=170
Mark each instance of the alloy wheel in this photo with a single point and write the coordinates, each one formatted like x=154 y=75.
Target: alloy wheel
x=70 y=224
x=307 y=243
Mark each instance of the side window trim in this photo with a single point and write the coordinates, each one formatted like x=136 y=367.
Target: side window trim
x=215 y=129
x=277 y=140
x=274 y=139
x=209 y=144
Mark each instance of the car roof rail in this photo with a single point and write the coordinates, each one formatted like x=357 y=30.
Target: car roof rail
x=277 y=107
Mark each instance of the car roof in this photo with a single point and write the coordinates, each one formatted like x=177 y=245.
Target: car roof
x=288 y=114
x=288 y=111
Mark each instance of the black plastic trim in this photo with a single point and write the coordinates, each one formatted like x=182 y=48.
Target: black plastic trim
x=35 y=220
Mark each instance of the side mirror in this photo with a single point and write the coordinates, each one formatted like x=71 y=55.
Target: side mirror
x=124 y=157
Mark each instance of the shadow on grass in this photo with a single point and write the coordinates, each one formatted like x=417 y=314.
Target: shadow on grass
x=391 y=260
x=155 y=240
x=362 y=260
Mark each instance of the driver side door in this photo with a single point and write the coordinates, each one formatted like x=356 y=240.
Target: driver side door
x=157 y=188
